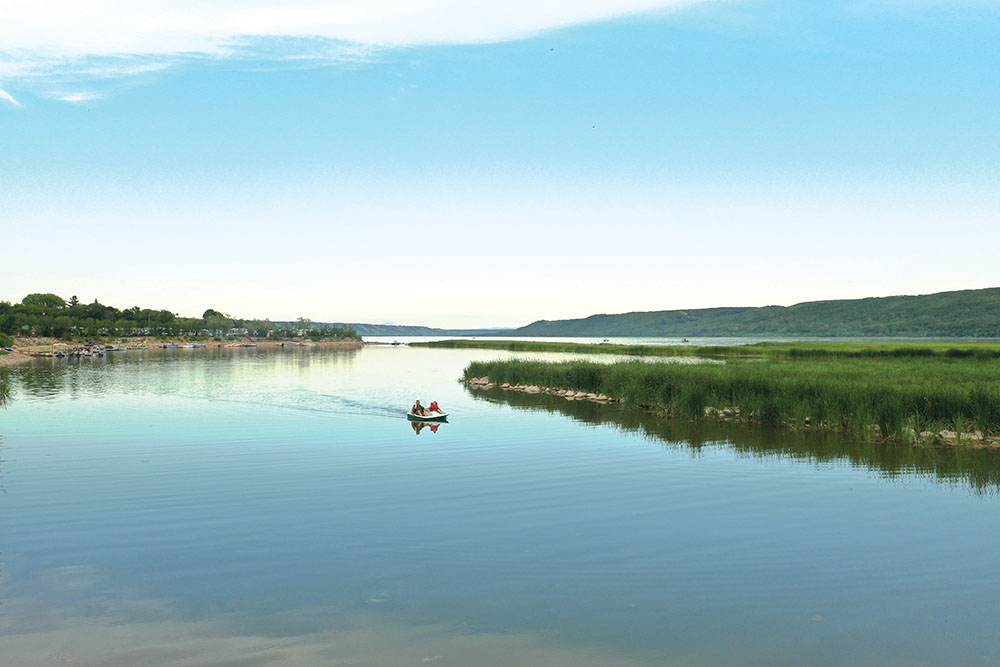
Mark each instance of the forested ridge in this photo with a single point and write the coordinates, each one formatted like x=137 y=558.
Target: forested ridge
x=960 y=314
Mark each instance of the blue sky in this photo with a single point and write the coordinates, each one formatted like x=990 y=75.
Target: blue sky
x=475 y=164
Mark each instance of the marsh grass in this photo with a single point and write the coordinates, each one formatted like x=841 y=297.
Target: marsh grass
x=5 y=390
x=872 y=397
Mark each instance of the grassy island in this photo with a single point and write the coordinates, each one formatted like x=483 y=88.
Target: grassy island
x=872 y=395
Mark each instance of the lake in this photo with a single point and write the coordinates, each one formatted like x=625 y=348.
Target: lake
x=245 y=507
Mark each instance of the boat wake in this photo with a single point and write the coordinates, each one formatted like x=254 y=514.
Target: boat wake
x=304 y=400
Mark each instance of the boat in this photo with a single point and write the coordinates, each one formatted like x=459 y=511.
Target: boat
x=432 y=417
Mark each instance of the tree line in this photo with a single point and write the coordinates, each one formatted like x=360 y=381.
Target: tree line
x=51 y=315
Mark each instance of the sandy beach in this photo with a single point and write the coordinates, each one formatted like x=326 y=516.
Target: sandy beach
x=14 y=359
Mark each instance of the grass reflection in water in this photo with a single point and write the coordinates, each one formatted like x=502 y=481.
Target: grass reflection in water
x=977 y=468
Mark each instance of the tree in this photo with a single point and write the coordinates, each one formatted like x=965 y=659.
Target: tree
x=43 y=304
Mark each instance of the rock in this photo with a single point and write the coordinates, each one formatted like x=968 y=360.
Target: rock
x=505 y=385
x=602 y=397
x=947 y=435
x=592 y=396
x=926 y=435
x=569 y=393
x=533 y=389
x=726 y=412
x=560 y=392
x=710 y=411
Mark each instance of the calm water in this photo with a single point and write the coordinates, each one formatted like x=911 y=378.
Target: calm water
x=198 y=507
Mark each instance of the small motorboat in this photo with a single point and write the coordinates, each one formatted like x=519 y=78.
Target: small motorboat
x=430 y=417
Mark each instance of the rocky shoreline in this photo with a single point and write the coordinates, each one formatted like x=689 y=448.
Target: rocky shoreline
x=568 y=394
x=972 y=438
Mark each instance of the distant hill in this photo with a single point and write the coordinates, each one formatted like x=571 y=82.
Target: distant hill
x=962 y=314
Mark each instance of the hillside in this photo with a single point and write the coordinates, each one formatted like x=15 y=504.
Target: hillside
x=961 y=314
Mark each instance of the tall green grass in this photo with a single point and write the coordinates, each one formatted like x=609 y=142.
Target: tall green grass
x=5 y=390
x=895 y=394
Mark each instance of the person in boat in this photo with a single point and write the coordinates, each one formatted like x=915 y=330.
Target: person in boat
x=435 y=407
x=418 y=410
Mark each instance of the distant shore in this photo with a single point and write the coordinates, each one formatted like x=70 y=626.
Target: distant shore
x=26 y=348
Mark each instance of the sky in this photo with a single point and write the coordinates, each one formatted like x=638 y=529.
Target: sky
x=491 y=163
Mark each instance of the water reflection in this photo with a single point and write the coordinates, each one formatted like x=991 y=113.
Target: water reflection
x=420 y=426
x=169 y=371
x=74 y=616
x=4 y=387
x=978 y=468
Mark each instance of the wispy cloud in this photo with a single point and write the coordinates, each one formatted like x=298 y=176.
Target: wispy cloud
x=7 y=97
x=78 y=97
x=47 y=39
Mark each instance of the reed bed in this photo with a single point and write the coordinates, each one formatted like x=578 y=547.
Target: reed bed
x=5 y=390
x=870 y=397
x=783 y=350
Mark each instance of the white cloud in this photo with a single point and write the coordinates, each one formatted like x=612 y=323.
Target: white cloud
x=7 y=97
x=78 y=97
x=45 y=39
x=105 y=27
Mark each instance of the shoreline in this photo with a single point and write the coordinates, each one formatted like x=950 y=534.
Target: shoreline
x=14 y=359
x=29 y=349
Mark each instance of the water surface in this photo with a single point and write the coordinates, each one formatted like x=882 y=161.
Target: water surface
x=274 y=507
